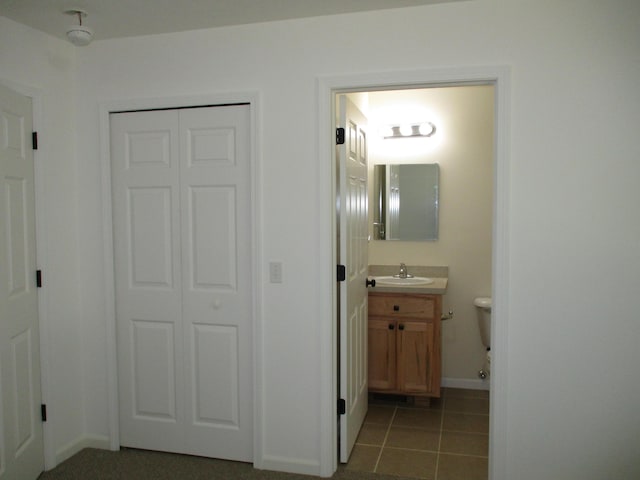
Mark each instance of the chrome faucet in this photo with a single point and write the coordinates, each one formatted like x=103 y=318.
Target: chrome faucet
x=403 y=272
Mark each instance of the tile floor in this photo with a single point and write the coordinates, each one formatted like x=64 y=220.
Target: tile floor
x=449 y=440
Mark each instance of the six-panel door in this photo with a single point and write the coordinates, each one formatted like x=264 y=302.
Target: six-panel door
x=21 y=441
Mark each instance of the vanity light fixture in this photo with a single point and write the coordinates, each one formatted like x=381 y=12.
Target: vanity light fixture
x=80 y=35
x=425 y=129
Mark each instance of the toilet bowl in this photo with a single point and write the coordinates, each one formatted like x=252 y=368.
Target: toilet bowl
x=483 y=307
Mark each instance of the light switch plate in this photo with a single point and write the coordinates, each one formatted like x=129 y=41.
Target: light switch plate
x=275 y=272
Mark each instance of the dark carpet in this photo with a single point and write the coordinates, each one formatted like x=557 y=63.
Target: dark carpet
x=131 y=464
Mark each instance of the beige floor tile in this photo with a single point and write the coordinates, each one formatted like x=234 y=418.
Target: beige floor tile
x=363 y=458
x=372 y=434
x=465 y=443
x=413 y=438
x=459 y=467
x=467 y=405
x=408 y=463
x=465 y=422
x=418 y=417
x=379 y=414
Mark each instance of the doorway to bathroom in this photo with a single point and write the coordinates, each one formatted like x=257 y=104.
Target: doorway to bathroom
x=470 y=177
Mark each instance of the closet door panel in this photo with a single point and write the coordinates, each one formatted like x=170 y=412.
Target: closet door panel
x=146 y=226
x=217 y=290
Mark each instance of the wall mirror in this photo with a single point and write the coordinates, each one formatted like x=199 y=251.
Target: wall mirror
x=405 y=201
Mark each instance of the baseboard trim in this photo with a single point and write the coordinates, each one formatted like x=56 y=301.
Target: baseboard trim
x=470 y=383
x=80 y=443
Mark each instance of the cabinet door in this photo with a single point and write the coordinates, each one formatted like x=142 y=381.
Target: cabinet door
x=382 y=354
x=415 y=344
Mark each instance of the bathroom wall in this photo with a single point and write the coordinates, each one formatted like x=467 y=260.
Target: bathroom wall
x=463 y=147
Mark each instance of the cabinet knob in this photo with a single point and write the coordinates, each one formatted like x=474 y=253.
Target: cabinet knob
x=396 y=308
x=391 y=326
x=401 y=327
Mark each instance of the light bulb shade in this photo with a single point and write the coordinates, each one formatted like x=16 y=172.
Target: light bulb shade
x=406 y=130
x=79 y=35
x=427 y=129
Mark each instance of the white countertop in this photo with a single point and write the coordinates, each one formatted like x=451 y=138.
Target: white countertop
x=438 y=287
x=439 y=274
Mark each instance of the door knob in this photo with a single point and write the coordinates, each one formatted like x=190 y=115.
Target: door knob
x=371 y=283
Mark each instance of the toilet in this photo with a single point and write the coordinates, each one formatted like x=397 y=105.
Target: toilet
x=483 y=307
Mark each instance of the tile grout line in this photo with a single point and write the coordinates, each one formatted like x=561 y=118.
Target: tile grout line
x=444 y=400
x=384 y=441
x=452 y=454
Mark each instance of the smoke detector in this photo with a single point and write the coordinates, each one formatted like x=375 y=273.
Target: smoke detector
x=80 y=35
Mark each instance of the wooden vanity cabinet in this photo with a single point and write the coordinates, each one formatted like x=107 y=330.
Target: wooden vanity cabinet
x=404 y=343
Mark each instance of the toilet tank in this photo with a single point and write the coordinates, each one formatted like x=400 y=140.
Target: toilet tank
x=483 y=308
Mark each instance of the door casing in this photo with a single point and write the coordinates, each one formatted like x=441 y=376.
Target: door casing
x=106 y=108
x=328 y=88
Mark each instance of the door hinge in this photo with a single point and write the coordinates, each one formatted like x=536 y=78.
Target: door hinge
x=34 y=140
x=39 y=278
x=342 y=406
x=43 y=412
x=342 y=273
x=340 y=136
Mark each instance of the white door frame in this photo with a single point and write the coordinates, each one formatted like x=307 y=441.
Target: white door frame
x=499 y=76
x=253 y=99
x=39 y=158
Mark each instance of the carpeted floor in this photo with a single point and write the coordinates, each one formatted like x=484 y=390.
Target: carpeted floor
x=130 y=464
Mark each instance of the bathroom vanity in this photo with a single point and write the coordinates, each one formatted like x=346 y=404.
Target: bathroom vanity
x=404 y=331
x=404 y=343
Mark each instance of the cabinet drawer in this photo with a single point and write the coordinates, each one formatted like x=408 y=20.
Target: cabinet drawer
x=403 y=306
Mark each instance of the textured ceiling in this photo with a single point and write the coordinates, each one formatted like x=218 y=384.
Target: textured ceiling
x=125 y=18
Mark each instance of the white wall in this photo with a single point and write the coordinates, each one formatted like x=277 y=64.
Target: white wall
x=463 y=147
x=42 y=67
x=573 y=264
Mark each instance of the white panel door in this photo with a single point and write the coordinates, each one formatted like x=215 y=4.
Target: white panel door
x=146 y=230
x=216 y=286
x=352 y=156
x=182 y=242
x=21 y=443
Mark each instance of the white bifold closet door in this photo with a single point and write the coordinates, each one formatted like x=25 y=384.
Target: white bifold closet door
x=184 y=300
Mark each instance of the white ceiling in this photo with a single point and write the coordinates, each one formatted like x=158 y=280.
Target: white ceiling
x=125 y=18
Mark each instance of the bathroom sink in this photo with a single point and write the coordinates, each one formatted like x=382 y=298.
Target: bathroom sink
x=390 y=280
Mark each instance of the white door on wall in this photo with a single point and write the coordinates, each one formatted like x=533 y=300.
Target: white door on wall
x=21 y=443
x=353 y=253
x=182 y=249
